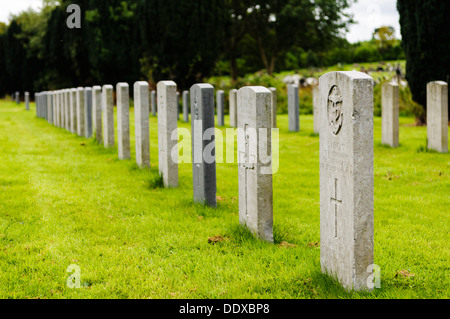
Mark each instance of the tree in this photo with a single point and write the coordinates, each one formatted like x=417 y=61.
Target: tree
x=426 y=42
x=384 y=38
x=279 y=26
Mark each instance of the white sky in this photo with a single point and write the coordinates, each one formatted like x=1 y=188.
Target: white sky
x=371 y=14
x=368 y=14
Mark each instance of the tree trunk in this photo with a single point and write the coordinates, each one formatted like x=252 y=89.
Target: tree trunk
x=234 y=69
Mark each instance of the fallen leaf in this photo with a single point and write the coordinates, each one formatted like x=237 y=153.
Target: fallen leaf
x=314 y=244
x=216 y=239
x=286 y=245
x=404 y=273
x=220 y=199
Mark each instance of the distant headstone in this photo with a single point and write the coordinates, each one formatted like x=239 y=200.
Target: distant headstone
x=153 y=100
x=17 y=97
x=123 y=120
x=49 y=107
x=203 y=144
x=108 y=116
x=142 y=124
x=80 y=112
x=62 y=109
x=437 y=116
x=390 y=114
x=233 y=108
x=27 y=101
x=88 y=112
x=220 y=101
x=293 y=108
x=67 y=108
x=255 y=161
x=54 y=108
x=274 y=107
x=178 y=105
x=97 y=113
x=316 y=104
x=346 y=177
x=167 y=126
x=73 y=111
x=186 y=106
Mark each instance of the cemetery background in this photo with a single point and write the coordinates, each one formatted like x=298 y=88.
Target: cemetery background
x=132 y=239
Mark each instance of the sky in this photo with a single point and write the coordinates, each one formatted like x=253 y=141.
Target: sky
x=368 y=14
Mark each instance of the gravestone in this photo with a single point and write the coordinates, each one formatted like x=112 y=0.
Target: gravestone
x=167 y=126
x=153 y=99
x=255 y=161
x=67 y=108
x=346 y=177
x=203 y=144
x=178 y=105
x=390 y=114
x=233 y=108
x=53 y=96
x=73 y=111
x=63 y=108
x=437 y=116
x=49 y=107
x=274 y=107
x=316 y=103
x=56 y=102
x=142 y=125
x=293 y=108
x=17 y=97
x=27 y=101
x=123 y=120
x=220 y=101
x=108 y=116
x=186 y=106
x=80 y=112
x=97 y=113
x=88 y=112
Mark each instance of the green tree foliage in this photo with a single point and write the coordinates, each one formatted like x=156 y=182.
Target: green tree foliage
x=426 y=42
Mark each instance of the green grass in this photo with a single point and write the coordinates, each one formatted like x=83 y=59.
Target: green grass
x=66 y=200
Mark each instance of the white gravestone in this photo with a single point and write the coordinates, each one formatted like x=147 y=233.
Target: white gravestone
x=390 y=114
x=142 y=123
x=437 y=116
x=108 y=116
x=346 y=177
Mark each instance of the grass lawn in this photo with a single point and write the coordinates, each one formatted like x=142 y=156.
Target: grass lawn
x=66 y=200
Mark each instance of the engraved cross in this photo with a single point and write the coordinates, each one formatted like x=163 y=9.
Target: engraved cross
x=336 y=202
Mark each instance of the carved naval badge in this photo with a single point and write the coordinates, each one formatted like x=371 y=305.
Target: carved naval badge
x=335 y=112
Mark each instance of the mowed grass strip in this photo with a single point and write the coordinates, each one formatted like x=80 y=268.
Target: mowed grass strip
x=65 y=200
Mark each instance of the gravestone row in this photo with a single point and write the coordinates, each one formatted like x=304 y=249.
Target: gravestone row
x=343 y=110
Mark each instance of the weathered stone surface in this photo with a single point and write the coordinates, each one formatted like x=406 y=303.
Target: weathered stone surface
x=49 y=98
x=220 y=101
x=97 y=113
x=293 y=108
x=67 y=109
x=88 y=112
x=178 y=105
x=437 y=116
x=390 y=114
x=203 y=144
x=108 y=116
x=274 y=107
x=27 y=101
x=167 y=127
x=142 y=124
x=316 y=104
x=54 y=99
x=186 y=106
x=123 y=120
x=255 y=161
x=80 y=112
x=17 y=97
x=153 y=100
x=233 y=108
x=73 y=111
x=62 y=109
x=346 y=177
